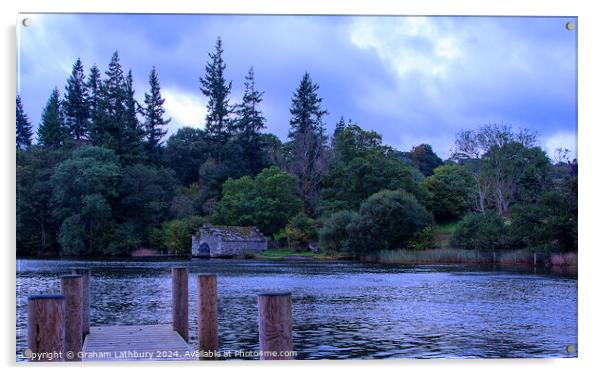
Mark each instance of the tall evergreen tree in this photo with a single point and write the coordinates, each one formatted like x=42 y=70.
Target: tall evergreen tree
x=52 y=132
x=214 y=86
x=23 y=132
x=132 y=143
x=307 y=155
x=93 y=86
x=108 y=127
x=249 y=123
x=153 y=118
x=75 y=104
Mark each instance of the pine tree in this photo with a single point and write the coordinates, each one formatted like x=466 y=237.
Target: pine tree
x=213 y=85
x=133 y=133
x=108 y=128
x=23 y=132
x=249 y=123
x=52 y=132
x=153 y=114
x=307 y=158
x=93 y=86
x=75 y=104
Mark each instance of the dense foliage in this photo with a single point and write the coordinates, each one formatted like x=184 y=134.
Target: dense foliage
x=102 y=177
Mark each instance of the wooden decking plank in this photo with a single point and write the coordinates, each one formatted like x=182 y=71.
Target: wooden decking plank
x=135 y=343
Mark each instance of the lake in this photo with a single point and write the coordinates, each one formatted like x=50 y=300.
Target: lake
x=341 y=309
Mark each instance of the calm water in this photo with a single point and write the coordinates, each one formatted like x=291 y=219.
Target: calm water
x=341 y=310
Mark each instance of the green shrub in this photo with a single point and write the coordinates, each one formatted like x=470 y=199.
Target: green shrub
x=423 y=239
x=481 y=232
x=387 y=220
x=300 y=231
x=333 y=234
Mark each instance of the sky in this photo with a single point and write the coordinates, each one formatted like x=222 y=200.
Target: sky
x=412 y=79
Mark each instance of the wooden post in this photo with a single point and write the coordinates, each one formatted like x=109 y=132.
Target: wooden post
x=71 y=288
x=179 y=301
x=275 y=325
x=85 y=273
x=46 y=327
x=207 y=315
x=535 y=259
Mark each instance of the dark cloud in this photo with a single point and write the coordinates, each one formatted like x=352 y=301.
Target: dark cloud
x=413 y=80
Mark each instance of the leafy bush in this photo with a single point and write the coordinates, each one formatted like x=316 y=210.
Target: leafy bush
x=387 y=220
x=333 y=234
x=300 y=231
x=481 y=232
x=451 y=187
x=269 y=201
x=423 y=239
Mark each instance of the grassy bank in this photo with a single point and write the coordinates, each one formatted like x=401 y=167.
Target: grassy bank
x=286 y=253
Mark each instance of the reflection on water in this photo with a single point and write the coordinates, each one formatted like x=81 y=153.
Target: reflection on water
x=341 y=309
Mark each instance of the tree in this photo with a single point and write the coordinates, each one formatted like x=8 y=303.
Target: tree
x=307 y=151
x=301 y=231
x=132 y=137
x=76 y=103
x=362 y=166
x=451 y=190
x=500 y=161
x=333 y=234
x=423 y=158
x=268 y=201
x=481 y=231
x=387 y=220
x=249 y=123
x=214 y=86
x=24 y=132
x=184 y=152
x=52 y=133
x=83 y=188
x=154 y=122
x=94 y=89
x=108 y=129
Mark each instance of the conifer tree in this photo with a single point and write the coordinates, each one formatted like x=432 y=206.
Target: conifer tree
x=23 y=131
x=154 y=121
x=132 y=149
x=108 y=127
x=249 y=123
x=52 y=132
x=93 y=86
x=75 y=104
x=307 y=158
x=214 y=86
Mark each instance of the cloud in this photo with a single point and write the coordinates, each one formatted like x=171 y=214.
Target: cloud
x=562 y=139
x=184 y=108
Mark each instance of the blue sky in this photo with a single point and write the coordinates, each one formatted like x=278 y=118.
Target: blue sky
x=412 y=79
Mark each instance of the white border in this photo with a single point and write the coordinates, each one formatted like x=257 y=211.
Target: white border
x=590 y=104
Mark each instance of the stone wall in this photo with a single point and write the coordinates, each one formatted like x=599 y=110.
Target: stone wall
x=220 y=248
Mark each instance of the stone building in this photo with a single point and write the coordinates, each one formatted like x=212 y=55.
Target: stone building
x=227 y=241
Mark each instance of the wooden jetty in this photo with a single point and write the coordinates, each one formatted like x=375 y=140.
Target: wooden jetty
x=59 y=326
x=136 y=343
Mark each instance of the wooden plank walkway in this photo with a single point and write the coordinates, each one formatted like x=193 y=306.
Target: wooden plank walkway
x=136 y=343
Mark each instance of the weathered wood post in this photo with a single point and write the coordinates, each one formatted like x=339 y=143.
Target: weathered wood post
x=85 y=273
x=275 y=325
x=46 y=327
x=207 y=315
x=179 y=301
x=71 y=288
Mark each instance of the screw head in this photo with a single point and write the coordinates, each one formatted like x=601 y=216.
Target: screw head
x=26 y=22
x=571 y=348
x=570 y=26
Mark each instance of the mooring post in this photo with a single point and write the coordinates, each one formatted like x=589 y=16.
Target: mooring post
x=179 y=301
x=46 y=327
x=85 y=274
x=275 y=325
x=207 y=316
x=71 y=288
